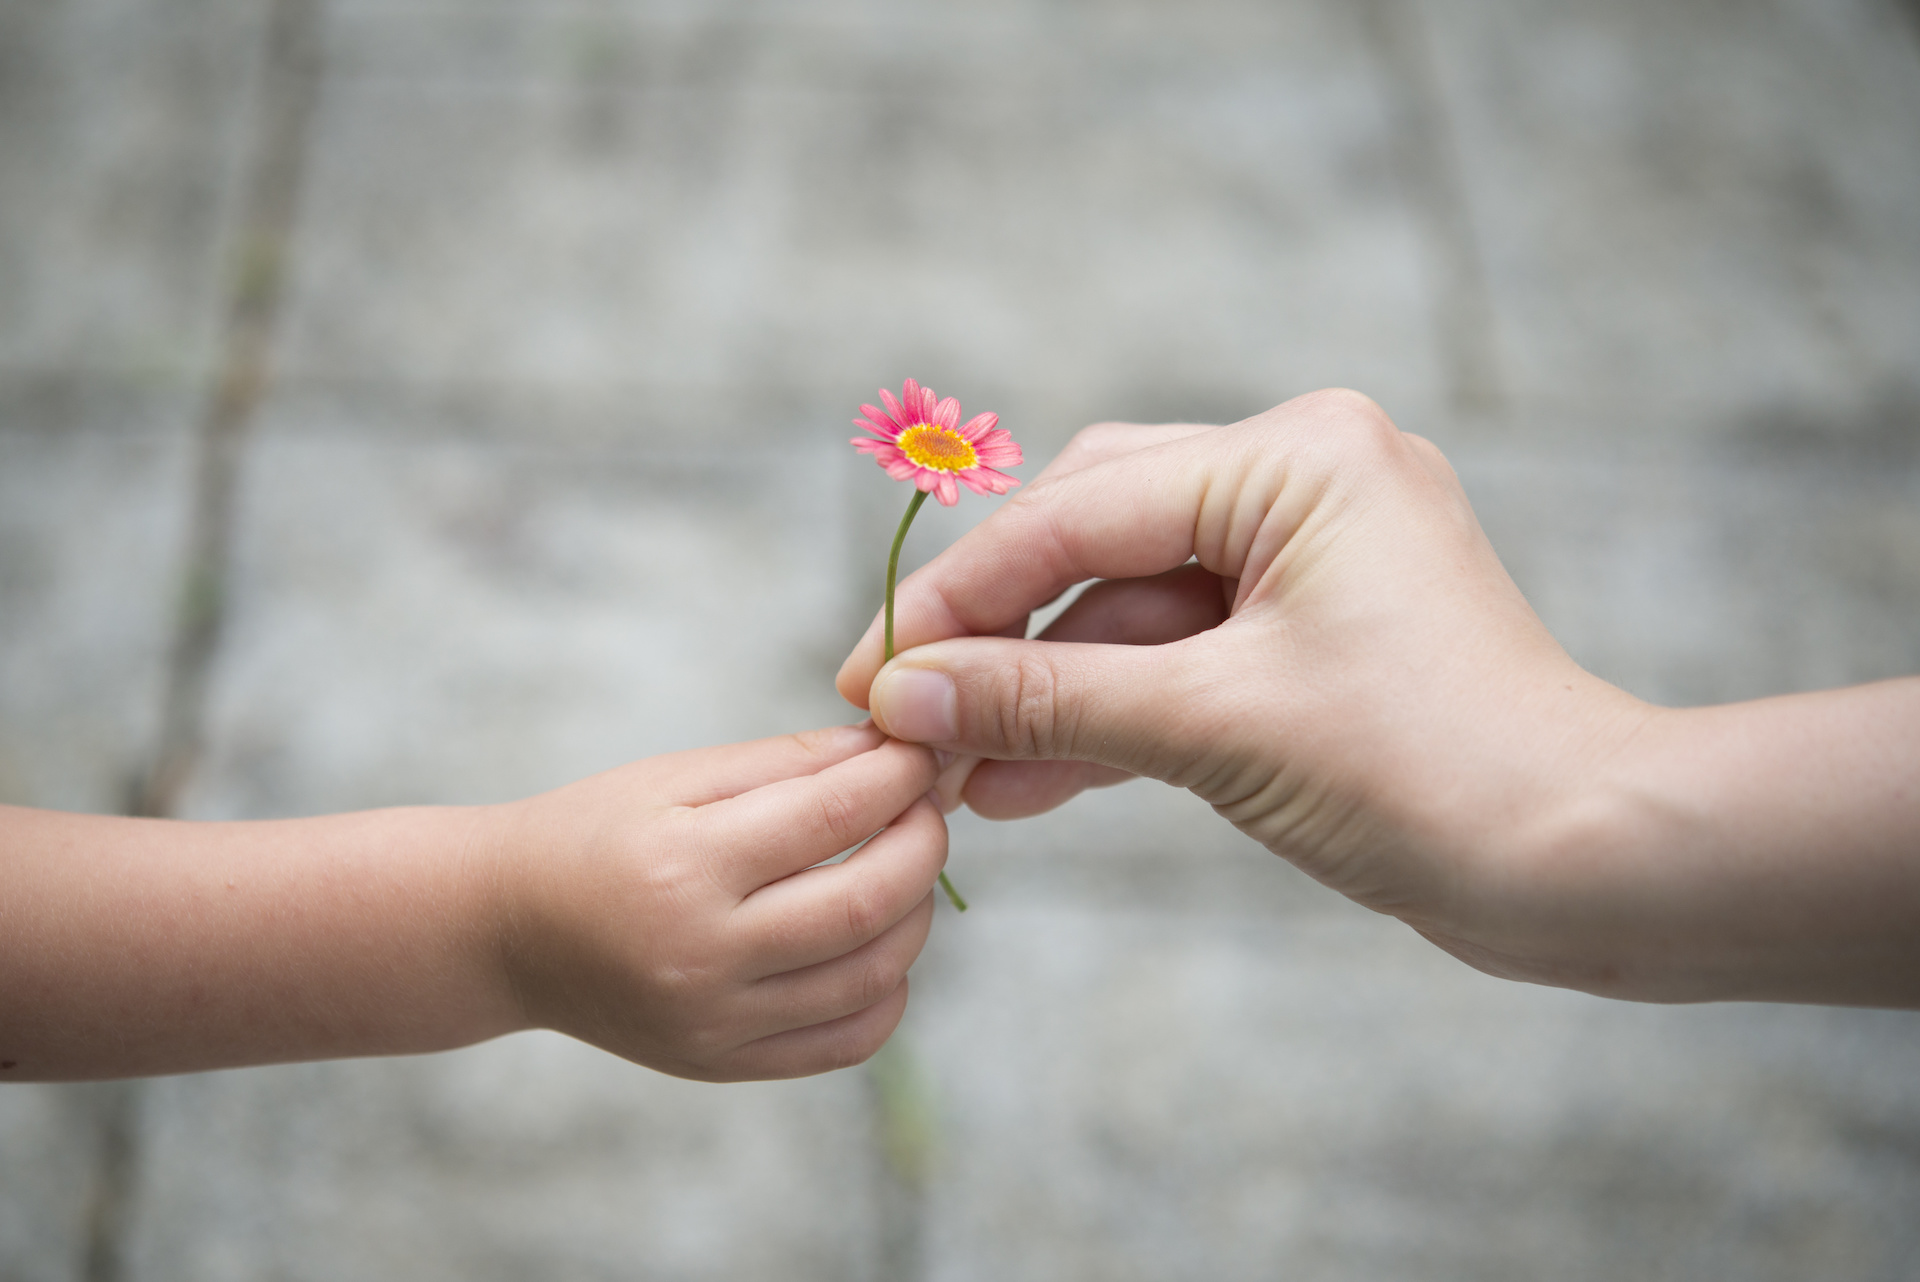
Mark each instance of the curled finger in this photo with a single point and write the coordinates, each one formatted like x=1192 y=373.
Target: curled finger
x=829 y=911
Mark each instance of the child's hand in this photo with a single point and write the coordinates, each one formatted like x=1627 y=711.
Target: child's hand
x=670 y=911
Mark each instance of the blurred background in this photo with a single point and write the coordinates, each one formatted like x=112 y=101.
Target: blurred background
x=436 y=402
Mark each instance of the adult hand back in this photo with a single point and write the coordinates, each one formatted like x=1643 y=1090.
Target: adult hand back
x=1302 y=622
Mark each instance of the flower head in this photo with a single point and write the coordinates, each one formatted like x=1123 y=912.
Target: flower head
x=923 y=440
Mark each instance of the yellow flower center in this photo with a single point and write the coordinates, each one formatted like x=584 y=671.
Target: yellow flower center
x=940 y=448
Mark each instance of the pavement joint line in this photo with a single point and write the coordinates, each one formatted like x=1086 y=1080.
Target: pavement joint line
x=114 y=1165
x=290 y=84
x=905 y=1137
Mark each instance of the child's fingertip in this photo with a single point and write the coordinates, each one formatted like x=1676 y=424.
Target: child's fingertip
x=952 y=782
x=944 y=799
x=863 y=735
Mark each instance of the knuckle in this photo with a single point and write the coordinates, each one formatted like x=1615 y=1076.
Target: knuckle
x=930 y=832
x=704 y=1045
x=727 y=1070
x=1345 y=406
x=673 y=883
x=839 y=814
x=1032 y=722
x=1348 y=421
x=686 y=870
x=1431 y=457
x=815 y=745
x=865 y=912
x=1095 y=435
x=855 y=1046
x=679 y=988
x=875 y=980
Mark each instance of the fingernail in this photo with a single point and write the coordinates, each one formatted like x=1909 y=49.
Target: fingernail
x=917 y=704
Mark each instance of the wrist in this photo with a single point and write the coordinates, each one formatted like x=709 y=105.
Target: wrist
x=489 y=866
x=1647 y=899
x=1752 y=851
x=1560 y=884
x=1769 y=848
x=431 y=904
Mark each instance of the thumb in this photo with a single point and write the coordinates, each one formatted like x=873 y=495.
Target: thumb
x=1117 y=705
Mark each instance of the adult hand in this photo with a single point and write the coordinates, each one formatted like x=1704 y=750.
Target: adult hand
x=1303 y=623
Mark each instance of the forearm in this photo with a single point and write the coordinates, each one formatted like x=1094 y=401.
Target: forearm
x=1758 y=851
x=132 y=946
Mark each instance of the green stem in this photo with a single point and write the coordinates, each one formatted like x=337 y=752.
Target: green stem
x=893 y=572
x=893 y=563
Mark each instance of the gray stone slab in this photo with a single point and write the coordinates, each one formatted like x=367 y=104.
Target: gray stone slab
x=531 y=1157
x=1702 y=206
x=651 y=217
x=1138 y=847
x=1130 y=1094
x=581 y=295
x=118 y=139
x=428 y=620
x=92 y=517
x=1713 y=576
x=120 y=132
x=120 y=128
x=49 y=1157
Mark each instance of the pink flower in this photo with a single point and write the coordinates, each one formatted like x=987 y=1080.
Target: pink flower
x=923 y=440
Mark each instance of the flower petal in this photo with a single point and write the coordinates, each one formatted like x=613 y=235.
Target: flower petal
x=997 y=482
x=978 y=426
x=946 y=414
x=878 y=422
x=948 y=493
x=894 y=411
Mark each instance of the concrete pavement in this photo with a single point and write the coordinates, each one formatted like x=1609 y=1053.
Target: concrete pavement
x=548 y=473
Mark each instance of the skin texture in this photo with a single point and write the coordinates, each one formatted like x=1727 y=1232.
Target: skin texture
x=1300 y=620
x=673 y=911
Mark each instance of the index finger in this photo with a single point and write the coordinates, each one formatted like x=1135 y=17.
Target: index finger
x=1102 y=441
x=1142 y=513
x=757 y=837
x=699 y=776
